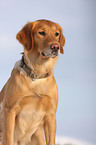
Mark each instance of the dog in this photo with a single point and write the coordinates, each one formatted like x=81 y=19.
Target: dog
x=29 y=99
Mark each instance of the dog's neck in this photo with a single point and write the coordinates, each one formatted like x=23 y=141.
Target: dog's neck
x=39 y=67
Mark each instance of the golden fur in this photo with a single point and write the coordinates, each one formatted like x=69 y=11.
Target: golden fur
x=28 y=108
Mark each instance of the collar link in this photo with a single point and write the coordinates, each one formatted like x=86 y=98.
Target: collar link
x=28 y=71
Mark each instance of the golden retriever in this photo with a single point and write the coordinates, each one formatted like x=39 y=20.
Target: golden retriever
x=29 y=99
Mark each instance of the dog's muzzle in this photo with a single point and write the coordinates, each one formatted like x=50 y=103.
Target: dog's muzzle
x=53 y=51
x=55 y=47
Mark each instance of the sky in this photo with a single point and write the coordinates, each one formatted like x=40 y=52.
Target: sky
x=75 y=71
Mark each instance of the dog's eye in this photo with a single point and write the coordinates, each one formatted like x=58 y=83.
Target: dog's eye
x=57 y=34
x=42 y=33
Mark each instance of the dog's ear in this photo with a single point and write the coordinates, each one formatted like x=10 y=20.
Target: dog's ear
x=25 y=36
x=62 y=42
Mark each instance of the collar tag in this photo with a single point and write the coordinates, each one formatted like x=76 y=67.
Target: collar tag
x=33 y=76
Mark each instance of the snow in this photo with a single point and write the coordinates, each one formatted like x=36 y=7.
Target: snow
x=60 y=140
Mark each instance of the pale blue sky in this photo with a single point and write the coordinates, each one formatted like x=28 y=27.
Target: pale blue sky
x=75 y=71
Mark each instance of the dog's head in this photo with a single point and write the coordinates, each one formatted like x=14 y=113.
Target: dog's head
x=44 y=36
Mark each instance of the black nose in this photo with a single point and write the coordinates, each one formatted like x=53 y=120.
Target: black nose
x=55 y=47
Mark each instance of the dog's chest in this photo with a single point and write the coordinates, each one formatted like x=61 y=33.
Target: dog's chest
x=27 y=122
x=30 y=117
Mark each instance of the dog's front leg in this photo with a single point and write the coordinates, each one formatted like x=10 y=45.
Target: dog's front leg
x=9 y=123
x=50 y=129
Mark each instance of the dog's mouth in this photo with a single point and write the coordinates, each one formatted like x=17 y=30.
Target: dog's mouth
x=43 y=54
x=51 y=54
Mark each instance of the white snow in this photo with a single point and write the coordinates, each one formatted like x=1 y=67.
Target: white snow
x=60 y=140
